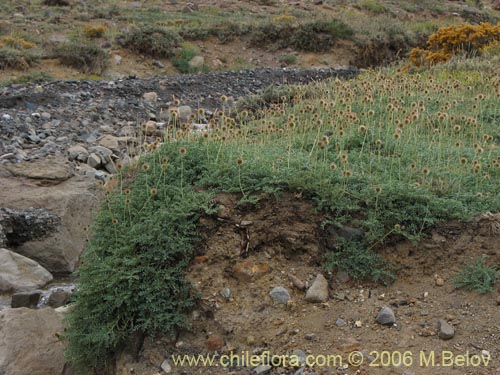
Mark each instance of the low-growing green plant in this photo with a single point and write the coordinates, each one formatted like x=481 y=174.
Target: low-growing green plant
x=359 y=261
x=151 y=40
x=288 y=59
x=372 y=6
x=131 y=278
x=183 y=58
x=86 y=57
x=477 y=276
x=34 y=77
x=314 y=36
x=225 y=32
x=61 y=3
x=320 y=36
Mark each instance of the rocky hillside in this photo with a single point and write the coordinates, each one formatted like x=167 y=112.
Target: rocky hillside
x=64 y=39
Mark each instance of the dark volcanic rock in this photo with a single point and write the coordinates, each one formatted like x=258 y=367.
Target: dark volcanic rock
x=17 y=227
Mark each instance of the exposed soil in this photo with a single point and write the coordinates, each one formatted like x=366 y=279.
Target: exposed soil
x=285 y=238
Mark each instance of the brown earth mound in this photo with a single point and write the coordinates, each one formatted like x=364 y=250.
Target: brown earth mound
x=246 y=253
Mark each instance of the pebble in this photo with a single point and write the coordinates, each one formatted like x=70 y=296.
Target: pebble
x=386 y=316
x=93 y=160
x=318 y=292
x=215 y=343
x=340 y=322
x=439 y=281
x=26 y=299
x=297 y=282
x=150 y=96
x=262 y=370
x=165 y=366
x=226 y=293
x=301 y=356
x=280 y=295
x=446 y=331
x=158 y=64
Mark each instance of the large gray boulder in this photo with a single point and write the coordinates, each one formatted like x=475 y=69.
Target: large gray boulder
x=18 y=273
x=30 y=343
x=73 y=200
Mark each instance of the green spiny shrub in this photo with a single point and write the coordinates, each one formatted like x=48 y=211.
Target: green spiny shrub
x=11 y=58
x=154 y=41
x=184 y=56
x=131 y=278
x=86 y=57
x=319 y=36
x=314 y=36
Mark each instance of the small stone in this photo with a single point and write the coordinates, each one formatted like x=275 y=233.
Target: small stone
x=226 y=293
x=302 y=357
x=158 y=64
x=340 y=322
x=318 y=292
x=26 y=299
x=343 y=277
x=358 y=324
x=215 y=343
x=150 y=97
x=196 y=62
x=280 y=295
x=426 y=332
x=262 y=370
x=250 y=340
x=310 y=336
x=94 y=161
x=248 y=270
x=34 y=138
x=386 y=316
x=348 y=344
x=104 y=153
x=111 y=142
x=446 y=331
x=117 y=59
x=439 y=281
x=149 y=127
x=79 y=153
x=165 y=366
x=297 y=282
x=111 y=168
x=185 y=112
x=59 y=298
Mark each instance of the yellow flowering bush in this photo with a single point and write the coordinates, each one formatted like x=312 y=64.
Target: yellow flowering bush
x=92 y=32
x=448 y=41
x=16 y=43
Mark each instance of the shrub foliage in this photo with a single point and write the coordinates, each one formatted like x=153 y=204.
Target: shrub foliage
x=448 y=41
x=151 y=40
x=86 y=57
